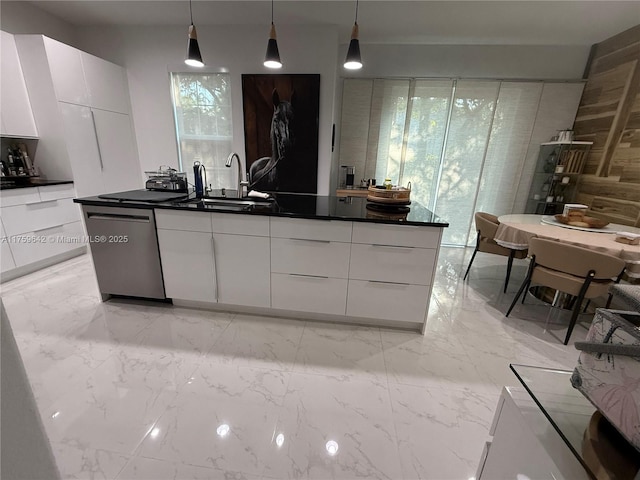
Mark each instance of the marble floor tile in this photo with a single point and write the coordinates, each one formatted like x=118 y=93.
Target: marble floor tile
x=104 y=417
x=334 y=428
x=240 y=384
x=141 y=468
x=87 y=463
x=130 y=389
x=213 y=431
x=341 y=350
x=261 y=342
x=435 y=359
x=441 y=432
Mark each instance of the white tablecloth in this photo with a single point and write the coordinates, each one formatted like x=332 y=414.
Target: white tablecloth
x=516 y=230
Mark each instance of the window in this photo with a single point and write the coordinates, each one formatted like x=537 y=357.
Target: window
x=465 y=145
x=202 y=109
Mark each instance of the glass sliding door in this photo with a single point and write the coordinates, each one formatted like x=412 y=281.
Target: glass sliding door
x=466 y=144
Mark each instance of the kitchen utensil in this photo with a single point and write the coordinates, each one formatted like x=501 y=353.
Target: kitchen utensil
x=166 y=179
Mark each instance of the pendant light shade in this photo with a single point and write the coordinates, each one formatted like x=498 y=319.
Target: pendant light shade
x=272 y=58
x=194 y=58
x=354 y=60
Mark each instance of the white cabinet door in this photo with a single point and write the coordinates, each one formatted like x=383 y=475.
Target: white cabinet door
x=243 y=270
x=306 y=293
x=106 y=84
x=188 y=267
x=67 y=73
x=387 y=301
x=83 y=149
x=17 y=117
x=120 y=166
x=6 y=257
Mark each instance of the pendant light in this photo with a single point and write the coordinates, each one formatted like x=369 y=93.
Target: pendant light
x=353 y=60
x=194 y=59
x=272 y=58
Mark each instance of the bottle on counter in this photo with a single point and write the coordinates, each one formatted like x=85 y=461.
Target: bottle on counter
x=387 y=184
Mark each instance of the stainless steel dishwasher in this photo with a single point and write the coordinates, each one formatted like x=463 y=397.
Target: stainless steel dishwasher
x=124 y=246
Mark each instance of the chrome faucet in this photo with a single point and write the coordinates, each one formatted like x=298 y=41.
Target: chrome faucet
x=241 y=183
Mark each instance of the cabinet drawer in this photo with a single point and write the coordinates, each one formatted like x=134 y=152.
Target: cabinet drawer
x=240 y=224
x=310 y=257
x=185 y=221
x=56 y=192
x=38 y=216
x=26 y=253
x=308 y=294
x=19 y=196
x=392 y=264
x=331 y=230
x=387 y=301
x=401 y=235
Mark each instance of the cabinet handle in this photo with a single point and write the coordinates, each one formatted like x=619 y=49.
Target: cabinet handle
x=215 y=266
x=48 y=228
x=388 y=283
x=392 y=246
x=308 y=276
x=310 y=240
x=95 y=131
x=40 y=202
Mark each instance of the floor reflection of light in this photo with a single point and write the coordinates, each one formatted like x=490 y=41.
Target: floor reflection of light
x=280 y=440
x=332 y=447
x=223 y=430
x=55 y=415
x=155 y=432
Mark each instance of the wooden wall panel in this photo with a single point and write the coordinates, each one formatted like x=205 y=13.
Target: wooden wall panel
x=609 y=116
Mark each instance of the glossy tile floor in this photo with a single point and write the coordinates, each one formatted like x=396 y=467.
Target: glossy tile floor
x=147 y=391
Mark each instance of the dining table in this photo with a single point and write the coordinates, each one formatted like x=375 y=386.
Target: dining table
x=515 y=231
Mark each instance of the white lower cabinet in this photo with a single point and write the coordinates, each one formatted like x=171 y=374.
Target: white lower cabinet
x=310 y=257
x=188 y=267
x=38 y=224
x=242 y=269
x=387 y=301
x=388 y=263
x=306 y=293
x=60 y=239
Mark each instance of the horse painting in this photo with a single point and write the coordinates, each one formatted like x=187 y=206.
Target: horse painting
x=267 y=173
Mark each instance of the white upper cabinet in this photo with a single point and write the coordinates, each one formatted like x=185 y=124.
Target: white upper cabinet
x=17 y=117
x=106 y=83
x=67 y=74
x=83 y=149
x=117 y=149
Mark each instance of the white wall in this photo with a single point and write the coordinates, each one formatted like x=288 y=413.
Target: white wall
x=473 y=61
x=150 y=53
x=22 y=17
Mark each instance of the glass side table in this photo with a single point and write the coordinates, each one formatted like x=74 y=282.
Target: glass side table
x=538 y=428
x=568 y=411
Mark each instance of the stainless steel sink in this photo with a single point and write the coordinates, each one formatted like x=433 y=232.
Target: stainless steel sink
x=235 y=204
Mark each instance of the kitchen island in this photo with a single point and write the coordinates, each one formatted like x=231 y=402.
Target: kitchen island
x=302 y=256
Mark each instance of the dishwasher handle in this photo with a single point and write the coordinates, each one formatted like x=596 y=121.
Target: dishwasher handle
x=119 y=217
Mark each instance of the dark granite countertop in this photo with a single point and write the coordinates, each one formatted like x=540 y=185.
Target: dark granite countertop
x=294 y=205
x=29 y=182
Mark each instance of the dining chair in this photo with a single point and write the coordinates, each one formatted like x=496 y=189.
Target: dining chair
x=579 y=272
x=487 y=226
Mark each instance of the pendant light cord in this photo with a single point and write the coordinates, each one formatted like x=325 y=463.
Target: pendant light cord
x=356 y=11
x=271 y=12
x=191 y=12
